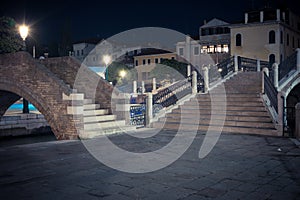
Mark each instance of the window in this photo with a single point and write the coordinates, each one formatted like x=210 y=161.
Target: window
x=77 y=52
x=160 y=60
x=82 y=52
x=173 y=58
x=281 y=58
x=238 y=40
x=287 y=39
x=271 y=59
x=281 y=37
x=196 y=50
x=204 y=49
x=149 y=61
x=144 y=62
x=181 y=51
x=272 y=37
x=211 y=49
x=136 y=63
x=225 y=48
x=156 y=60
x=219 y=48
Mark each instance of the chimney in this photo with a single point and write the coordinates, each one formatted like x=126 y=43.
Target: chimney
x=278 y=15
x=246 y=18
x=261 y=16
x=204 y=22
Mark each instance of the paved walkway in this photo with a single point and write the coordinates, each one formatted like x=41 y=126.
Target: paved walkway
x=239 y=167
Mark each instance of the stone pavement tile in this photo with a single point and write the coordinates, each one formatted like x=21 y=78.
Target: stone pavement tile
x=211 y=192
x=227 y=184
x=138 y=193
x=116 y=197
x=199 y=184
x=233 y=195
x=247 y=187
x=279 y=195
x=172 y=194
x=168 y=179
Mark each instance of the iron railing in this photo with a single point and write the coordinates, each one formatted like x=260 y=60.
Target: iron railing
x=137 y=115
x=290 y=124
x=289 y=64
x=247 y=64
x=265 y=64
x=271 y=92
x=223 y=69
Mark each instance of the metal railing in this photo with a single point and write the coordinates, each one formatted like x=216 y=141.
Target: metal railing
x=223 y=69
x=137 y=115
x=247 y=64
x=289 y=64
x=271 y=92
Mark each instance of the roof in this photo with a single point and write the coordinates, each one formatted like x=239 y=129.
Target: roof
x=89 y=41
x=152 y=51
x=214 y=23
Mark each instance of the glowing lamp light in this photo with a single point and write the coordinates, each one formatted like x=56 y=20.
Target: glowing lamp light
x=220 y=70
x=24 y=30
x=122 y=73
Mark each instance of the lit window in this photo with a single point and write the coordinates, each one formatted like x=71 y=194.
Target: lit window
x=219 y=48
x=204 y=49
x=181 y=51
x=225 y=48
x=211 y=49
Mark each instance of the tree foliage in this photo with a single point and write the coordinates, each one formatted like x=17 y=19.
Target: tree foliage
x=114 y=70
x=10 y=41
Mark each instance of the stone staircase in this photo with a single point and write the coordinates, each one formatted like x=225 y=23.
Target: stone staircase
x=98 y=121
x=245 y=111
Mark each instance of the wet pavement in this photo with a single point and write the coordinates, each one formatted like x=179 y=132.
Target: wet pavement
x=238 y=167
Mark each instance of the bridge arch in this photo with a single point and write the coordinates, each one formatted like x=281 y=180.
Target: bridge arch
x=22 y=76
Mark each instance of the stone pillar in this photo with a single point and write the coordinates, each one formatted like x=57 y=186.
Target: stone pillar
x=298 y=59
x=188 y=70
x=206 y=79
x=297 y=118
x=188 y=48
x=258 y=65
x=143 y=87
x=283 y=16
x=134 y=87
x=278 y=15
x=246 y=18
x=194 y=82
x=280 y=104
x=236 y=64
x=149 y=109
x=265 y=70
x=275 y=78
x=261 y=16
x=154 y=85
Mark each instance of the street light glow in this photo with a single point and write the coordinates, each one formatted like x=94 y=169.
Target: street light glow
x=24 y=30
x=106 y=59
x=122 y=73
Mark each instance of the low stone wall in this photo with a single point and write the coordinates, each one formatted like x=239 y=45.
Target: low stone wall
x=23 y=124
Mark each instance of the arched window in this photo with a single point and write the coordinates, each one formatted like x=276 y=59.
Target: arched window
x=271 y=59
x=272 y=37
x=238 y=40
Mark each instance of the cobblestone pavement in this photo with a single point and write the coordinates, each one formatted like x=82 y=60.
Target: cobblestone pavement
x=239 y=167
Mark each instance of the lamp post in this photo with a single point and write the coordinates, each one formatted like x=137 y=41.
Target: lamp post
x=24 y=30
x=106 y=60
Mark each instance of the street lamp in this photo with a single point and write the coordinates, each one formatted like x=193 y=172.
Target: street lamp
x=106 y=60
x=122 y=73
x=24 y=30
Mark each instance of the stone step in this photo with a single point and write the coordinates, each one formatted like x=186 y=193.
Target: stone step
x=103 y=125
x=91 y=106
x=229 y=129
x=221 y=107
x=222 y=112
x=228 y=94
x=87 y=101
x=219 y=122
x=106 y=131
x=229 y=103
x=179 y=116
x=100 y=118
x=95 y=112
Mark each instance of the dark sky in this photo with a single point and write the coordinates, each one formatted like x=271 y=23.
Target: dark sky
x=87 y=19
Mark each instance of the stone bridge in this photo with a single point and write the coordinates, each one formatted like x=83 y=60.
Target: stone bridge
x=53 y=86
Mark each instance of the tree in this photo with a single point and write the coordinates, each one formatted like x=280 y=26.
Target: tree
x=114 y=70
x=10 y=40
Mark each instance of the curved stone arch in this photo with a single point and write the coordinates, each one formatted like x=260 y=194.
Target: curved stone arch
x=24 y=76
x=292 y=86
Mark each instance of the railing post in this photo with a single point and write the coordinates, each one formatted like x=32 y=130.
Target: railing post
x=143 y=87
x=275 y=78
x=149 y=109
x=298 y=59
x=297 y=119
x=154 y=85
x=188 y=70
x=206 y=79
x=236 y=64
x=265 y=70
x=194 y=82
x=280 y=106
x=134 y=87
x=258 y=65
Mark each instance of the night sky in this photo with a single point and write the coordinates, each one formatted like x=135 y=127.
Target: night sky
x=103 y=19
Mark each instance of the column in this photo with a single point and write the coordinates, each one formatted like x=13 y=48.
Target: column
x=194 y=83
x=297 y=119
x=149 y=109
x=206 y=79
x=134 y=87
x=154 y=85
x=258 y=65
x=236 y=64
x=188 y=70
x=275 y=78
x=188 y=48
x=143 y=87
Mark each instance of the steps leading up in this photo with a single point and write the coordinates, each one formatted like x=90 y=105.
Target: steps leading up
x=244 y=111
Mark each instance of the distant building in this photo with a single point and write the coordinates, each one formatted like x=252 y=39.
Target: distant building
x=146 y=61
x=269 y=34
